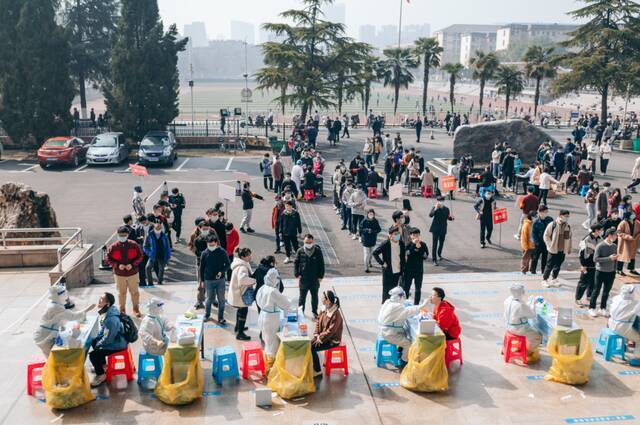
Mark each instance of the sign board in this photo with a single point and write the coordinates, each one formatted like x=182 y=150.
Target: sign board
x=243 y=177
x=447 y=183
x=138 y=170
x=246 y=94
x=395 y=192
x=226 y=192
x=575 y=115
x=500 y=216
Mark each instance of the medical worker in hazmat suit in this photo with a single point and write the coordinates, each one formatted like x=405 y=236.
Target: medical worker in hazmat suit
x=156 y=331
x=271 y=303
x=624 y=310
x=517 y=313
x=55 y=316
x=392 y=317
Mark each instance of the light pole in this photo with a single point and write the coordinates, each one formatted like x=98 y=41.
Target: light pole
x=400 y=25
x=191 y=89
x=246 y=86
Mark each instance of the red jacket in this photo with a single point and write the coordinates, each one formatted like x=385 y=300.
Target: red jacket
x=124 y=253
x=233 y=240
x=446 y=319
x=275 y=213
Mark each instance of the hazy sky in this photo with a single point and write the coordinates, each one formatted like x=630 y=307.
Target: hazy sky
x=218 y=13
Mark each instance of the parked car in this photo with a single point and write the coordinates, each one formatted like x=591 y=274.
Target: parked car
x=108 y=148
x=158 y=147
x=62 y=150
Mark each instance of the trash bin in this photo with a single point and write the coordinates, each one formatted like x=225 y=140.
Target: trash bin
x=636 y=145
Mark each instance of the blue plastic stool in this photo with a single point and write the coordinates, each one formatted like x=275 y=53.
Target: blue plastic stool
x=149 y=366
x=492 y=188
x=225 y=364
x=610 y=344
x=583 y=190
x=386 y=352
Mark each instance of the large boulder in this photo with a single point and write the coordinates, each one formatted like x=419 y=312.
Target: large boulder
x=22 y=207
x=480 y=139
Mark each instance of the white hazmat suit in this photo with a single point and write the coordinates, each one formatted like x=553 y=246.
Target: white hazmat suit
x=624 y=309
x=516 y=315
x=271 y=303
x=156 y=330
x=392 y=317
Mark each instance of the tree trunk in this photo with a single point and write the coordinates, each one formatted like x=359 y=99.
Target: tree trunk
x=452 y=85
x=339 y=93
x=536 y=99
x=482 y=83
x=425 y=84
x=506 y=106
x=83 y=96
x=283 y=92
x=395 y=101
x=603 y=103
x=367 y=97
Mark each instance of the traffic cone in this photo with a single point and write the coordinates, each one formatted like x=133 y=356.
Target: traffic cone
x=104 y=265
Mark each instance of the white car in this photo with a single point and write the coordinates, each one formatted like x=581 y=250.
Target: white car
x=108 y=148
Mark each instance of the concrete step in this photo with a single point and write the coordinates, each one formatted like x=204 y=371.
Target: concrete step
x=77 y=267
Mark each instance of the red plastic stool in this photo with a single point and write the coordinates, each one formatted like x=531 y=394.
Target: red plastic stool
x=252 y=358
x=336 y=358
x=372 y=192
x=427 y=191
x=309 y=195
x=120 y=363
x=34 y=374
x=514 y=347
x=453 y=351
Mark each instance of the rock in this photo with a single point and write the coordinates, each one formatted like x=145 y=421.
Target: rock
x=480 y=139
x=22 y=207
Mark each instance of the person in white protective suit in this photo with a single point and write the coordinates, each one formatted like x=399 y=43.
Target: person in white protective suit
x=54 y=317
x=624 y=309
x=392 y=317
x=516 y=315
x=156 y=331
x=271 y=303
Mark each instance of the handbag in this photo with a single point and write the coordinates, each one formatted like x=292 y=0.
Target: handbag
x=249 y=296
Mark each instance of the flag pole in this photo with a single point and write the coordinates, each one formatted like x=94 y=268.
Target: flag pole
x=400 y=25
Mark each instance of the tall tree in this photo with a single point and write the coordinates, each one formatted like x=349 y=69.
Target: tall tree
x=483 y=68
x=510 y=83
x=399 y=61
x=601 y=48
x=275 y=76
x=371 y=72
x=346 y=60
x=540 y=64
x=35 y=88
x=454 y=70
x=90 y=24
x=429 y=50
x=143 y=92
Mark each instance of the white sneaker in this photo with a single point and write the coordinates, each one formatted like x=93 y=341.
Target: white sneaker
x=545 y=283
x=354 y=237
x=98 y=380
x=516 y=237
x=287 y=260
x=604 y=313
x=593 y=312
x=555 y=282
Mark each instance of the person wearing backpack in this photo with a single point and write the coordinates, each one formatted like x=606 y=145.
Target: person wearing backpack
x=110 y=338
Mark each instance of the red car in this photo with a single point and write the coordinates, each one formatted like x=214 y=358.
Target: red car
x=62 y=150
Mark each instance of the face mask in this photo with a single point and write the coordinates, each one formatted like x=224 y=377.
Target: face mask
x=213 y=218
x=122 y=239
x=371 y=216
x=487 y=196
x=211 y=247
x=396 y=238
x=563 y=219
x=308 y=245
x=204 y=232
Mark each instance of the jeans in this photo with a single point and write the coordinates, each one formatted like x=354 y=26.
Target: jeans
x=313 y=288
x=177 y=223
x=157 y=266
x=346 y=217
x=543 y=196
x=486 y=229
x=554 y=264
x=585 y=284
x=289 y=242
x=591 y=214
x=368 y=252
x=246 y=219
x=268 y=179
x=437 y=244
x=356 y=219
x=604 y=163
x=215 y=289
x=277 y=186
x=98 y=358
x=414 y=276
x=277 y=240
x=539 y=253
x=314 y=353
x=603 y=280
x=495 y=170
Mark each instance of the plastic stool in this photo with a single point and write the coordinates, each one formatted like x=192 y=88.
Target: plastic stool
x=120 y=363
x=252 y=359
x=336 y=358
x=309 y=194
x=611 y=344
x=514 y=347
x=149 y=366
x=453 y=352
x=372 y=192
x=34 y=374
x=225 y=364
x=427 y=191
x=386 y=352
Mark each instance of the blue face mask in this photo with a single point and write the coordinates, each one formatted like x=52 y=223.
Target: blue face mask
x=396 y=238
x=211 y=247
x=122 y=239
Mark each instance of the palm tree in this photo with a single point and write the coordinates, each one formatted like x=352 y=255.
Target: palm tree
x=510 y=83
x=454 y=70
x=371 y=72
x=399 y=61
x=483 y=68
x=430 y=50
x=541 y=63
x=347 y=59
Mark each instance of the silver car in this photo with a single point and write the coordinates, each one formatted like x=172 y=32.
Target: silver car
x=108 y=148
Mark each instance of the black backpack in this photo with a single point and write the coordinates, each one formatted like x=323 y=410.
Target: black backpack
x=129 y=329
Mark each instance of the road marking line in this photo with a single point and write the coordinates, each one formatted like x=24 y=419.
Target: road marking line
x=179 y=169
x=229 y=164
x=153 y=193
x=123 y=171
x=314 y=226
x=437 y=167
x=79 y=169
x=28 y=169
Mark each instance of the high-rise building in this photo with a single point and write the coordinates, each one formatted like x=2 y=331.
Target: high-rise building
x=336 y=12
x=450 y=39
x=242 y=31
x=197 y=33
x=476 y=42
x=367 y=34
x=411 y=33
x=387 y=36
x=513 y=34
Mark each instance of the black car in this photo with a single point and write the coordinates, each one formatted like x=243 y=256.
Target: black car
x=158 y=147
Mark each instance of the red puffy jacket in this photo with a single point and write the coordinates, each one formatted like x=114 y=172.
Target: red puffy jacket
x=447 y=320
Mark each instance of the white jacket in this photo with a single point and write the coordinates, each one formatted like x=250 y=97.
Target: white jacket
x=391 y=319
x=155 y=332
x=358 y=202
x=624 y=310
x=241 y=280
x=271 y=303
x=605 y=151
x=296 y=175
x=516 y=317
x=54 y=316
x=635 y=173
x=546 y=180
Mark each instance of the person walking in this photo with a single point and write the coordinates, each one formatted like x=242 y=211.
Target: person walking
x=605 y=156
x=526 y=242
x=545 y=184
x=587 y=265
x=390 y=254
x=485 y=206
x=605 y=258
x=417 y=252
x=290 y=226
x=177 y=204
x=369 y=230
x=345 y=126
x=214 y=264
x=628 y=235
x=241 y=281
x=157 y=248
x=418 y=129
x=527 y=203
x=440 y=215
x=265 y=169
x=308 y=267
x=124 y=256
x=557 y=237
x=247 y=208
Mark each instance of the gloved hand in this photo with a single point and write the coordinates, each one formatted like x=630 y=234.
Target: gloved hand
x=88 y=308
x=423 y=304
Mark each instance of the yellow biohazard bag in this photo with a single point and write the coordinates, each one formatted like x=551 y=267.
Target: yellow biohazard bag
x=295 y=354
x=426 y=370
x=65 y=380
x=567 y=368
x=181 y=380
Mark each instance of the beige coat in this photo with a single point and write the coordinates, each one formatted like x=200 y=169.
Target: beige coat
x=635 y=173
x=241 y=280
x=551 y=235
x=627 y=242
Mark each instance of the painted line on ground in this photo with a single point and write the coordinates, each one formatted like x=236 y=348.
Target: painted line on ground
x=127 y=170
x=629 y=372
x=228 y=164
x=179 y=169
x=28 y=169
x=437 y=167
x=378 y=385
x=594 y=419
x=79 y=169
x=314 y=227
x=534 y=377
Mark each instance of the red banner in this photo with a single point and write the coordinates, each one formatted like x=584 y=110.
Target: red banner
x=500 y=216
x=138 y=170
x=447 y=183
